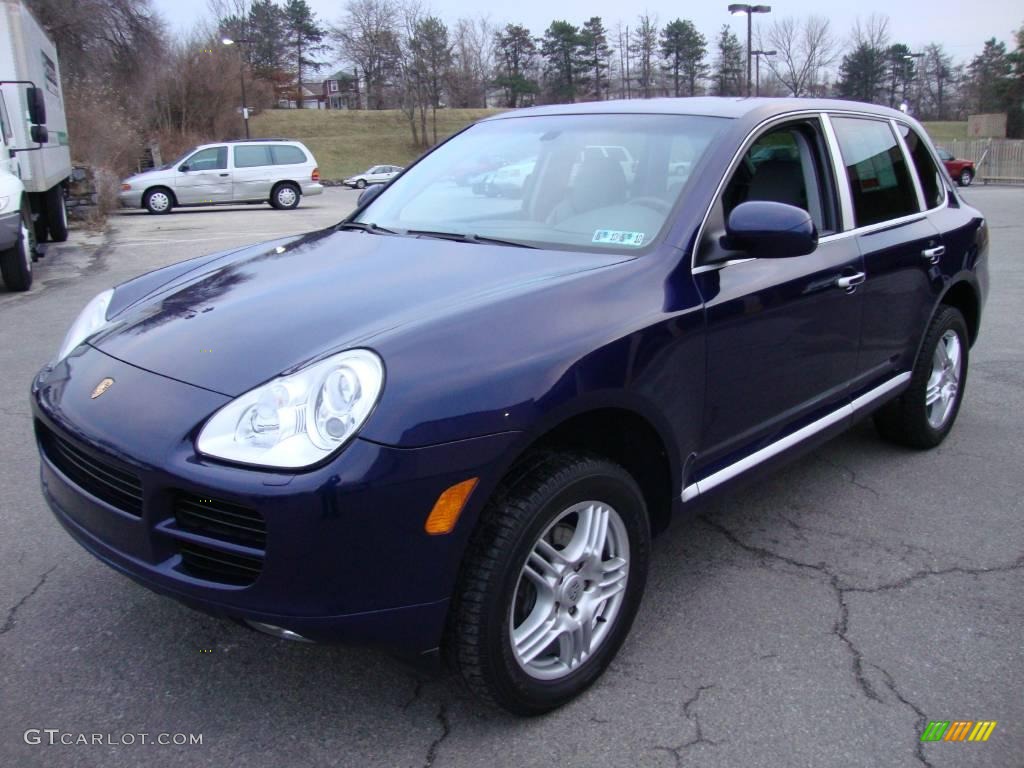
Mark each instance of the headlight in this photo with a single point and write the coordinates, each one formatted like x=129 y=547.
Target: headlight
x=89 y=320
x=297 y=420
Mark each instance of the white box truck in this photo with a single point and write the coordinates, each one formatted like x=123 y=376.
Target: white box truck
x=30 y=88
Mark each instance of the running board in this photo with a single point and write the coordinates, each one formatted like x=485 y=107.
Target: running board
x=781 y=445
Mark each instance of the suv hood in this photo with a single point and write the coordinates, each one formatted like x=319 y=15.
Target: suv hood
x=274 y=308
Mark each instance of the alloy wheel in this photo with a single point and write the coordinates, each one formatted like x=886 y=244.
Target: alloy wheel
x=944 y=382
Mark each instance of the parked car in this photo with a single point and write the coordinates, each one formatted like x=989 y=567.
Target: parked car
x=276 y=171
x=377 y=174
x=508 y=181
x=447 y=424
x=962 y=171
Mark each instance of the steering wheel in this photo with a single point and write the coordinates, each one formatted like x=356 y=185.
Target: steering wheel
x=656 y=203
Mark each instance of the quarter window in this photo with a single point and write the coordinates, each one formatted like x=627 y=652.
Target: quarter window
x=252 y=156
x=880 y=181
x=209 y=159
x=286 y=154
x=931 y=180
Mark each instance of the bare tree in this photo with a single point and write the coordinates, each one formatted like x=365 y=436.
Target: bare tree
x=368 y=37
x=872 y=32
x=473 y=61
x=645 y=49
x=806 y=48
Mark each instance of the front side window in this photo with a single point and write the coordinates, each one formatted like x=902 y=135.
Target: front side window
x=209 y=159
x=880 y=181
x=931 y=179
x=252 y=156
x=593 y=181
x=786 y=165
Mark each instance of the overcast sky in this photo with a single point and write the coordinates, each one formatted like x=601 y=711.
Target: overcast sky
x=961 y=25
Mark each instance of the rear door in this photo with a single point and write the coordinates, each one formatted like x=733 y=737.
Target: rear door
x=253 y=172
x=206 y=178
x=900 y=244
x=782 y=334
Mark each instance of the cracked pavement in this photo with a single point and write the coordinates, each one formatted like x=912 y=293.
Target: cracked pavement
x=819 y=617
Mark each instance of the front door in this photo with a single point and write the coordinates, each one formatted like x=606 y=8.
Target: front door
x=782 y=333
x=204 y=178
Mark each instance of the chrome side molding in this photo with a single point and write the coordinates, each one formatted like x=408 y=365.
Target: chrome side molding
x=847 y=411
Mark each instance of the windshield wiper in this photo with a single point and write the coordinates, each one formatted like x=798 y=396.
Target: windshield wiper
x=461 y=237
x=363 y=226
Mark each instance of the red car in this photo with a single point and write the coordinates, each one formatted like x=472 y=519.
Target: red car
x=961 y=171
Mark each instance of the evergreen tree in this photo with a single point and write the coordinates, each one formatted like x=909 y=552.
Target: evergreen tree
x=305 y=38
x=729 y=64
x=990 y=77
x=862 y=74
x=595 y=54
x=683 y=49
x=560 y=48
x=268 y=50
x=645 y=46
x=515 y=54
x=432 y=53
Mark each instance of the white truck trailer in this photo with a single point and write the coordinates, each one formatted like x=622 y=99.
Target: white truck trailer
x=30 y=88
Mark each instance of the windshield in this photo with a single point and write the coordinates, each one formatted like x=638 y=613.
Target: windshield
x=570 y=181
x=181 y=159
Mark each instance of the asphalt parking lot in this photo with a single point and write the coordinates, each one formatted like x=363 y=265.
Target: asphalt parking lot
x=818 y=618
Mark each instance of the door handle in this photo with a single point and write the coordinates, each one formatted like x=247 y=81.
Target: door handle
x=849 y=283
x=934 y=254
x=223 y=174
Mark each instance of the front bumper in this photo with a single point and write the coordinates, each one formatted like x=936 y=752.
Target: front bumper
x=345 y=557
x=10 y=229
x=130 y=198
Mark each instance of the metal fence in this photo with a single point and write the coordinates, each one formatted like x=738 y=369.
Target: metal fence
x=996 y=160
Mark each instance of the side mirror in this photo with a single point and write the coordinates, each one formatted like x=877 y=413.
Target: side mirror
x=39 y=134
x=368 y=194
x=183 y=167
x=767 y=230
x=36 y=105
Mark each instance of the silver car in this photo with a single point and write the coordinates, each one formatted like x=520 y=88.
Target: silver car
x=378 y=174
x=261 y=170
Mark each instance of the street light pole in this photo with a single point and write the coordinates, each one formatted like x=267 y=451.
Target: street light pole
x=757 y=77
x=737 y=9
x=909 y=58
x=241 y=77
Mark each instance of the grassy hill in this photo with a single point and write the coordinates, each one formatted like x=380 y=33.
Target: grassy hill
x=946 y=131
x=348 y=141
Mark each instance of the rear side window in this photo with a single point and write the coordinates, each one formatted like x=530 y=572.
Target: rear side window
x=286 y=154
x=880 y=181
x=931 y=179
x=252 y=156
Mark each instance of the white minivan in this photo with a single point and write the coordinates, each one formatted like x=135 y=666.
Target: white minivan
x=276 y=171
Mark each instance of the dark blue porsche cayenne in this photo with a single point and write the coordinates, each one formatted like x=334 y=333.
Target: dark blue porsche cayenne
x=454 y=420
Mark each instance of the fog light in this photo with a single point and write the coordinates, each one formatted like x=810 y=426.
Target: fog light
x=449 y=505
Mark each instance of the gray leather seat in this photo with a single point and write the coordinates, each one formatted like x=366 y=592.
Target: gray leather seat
x=600 y=182
x=779 y=181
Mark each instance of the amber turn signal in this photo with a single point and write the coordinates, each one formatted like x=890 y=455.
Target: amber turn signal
x=449 y=505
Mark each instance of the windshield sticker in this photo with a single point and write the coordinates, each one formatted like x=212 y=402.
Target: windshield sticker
x=617 y=237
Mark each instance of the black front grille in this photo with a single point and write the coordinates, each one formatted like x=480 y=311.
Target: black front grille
x=216 y=565
x=218 y=519
x=104 y=478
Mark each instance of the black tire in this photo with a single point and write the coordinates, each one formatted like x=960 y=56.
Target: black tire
x=361 y=184
x=478 y=641
x=41 y=227
x=285 y=196
x=159 y=201
x=905 y=419
x=56 y=215
x=16 y=261
x=965 y=178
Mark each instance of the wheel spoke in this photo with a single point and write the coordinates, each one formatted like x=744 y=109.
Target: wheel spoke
x=536 y=633
x=574 y=643
x=613 y=580
x=933 y=395
x=546 y=562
